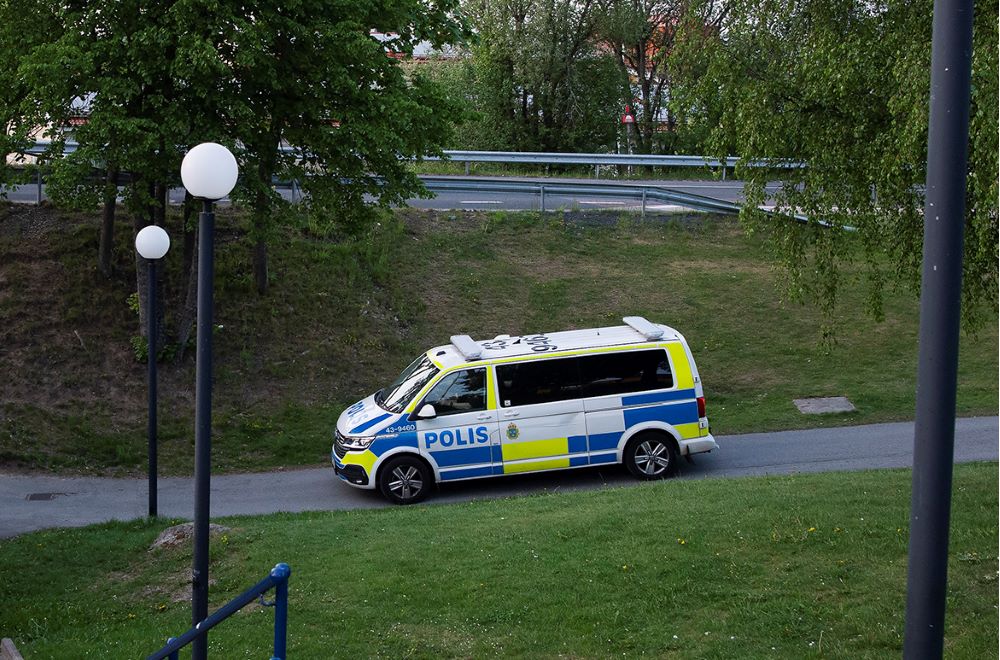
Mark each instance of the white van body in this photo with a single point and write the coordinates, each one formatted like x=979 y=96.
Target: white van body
x=625 y=394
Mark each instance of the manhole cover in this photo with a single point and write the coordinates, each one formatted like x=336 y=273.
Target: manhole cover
x=823 y=405
x=44 y=497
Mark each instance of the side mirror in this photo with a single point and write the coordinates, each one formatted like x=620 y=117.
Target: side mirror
x=427 y=412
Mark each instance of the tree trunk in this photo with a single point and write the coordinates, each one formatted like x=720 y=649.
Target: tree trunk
x=260 y=265
x=189 y=275
x=190 y=309
x=160 y=204
x=107 y=238
x=189 y=230
x=261 y=215
x=140 y=220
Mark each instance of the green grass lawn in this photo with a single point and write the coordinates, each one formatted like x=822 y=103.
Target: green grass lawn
x=342 y=318
x=783 y=567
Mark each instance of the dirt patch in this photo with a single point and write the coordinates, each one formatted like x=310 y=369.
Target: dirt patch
x=177 y=535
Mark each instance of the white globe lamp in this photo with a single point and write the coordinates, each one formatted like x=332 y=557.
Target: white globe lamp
x=209 y=171
x=152 y=242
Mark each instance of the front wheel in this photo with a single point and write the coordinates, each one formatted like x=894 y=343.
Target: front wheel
x=405 y=480
x=650 y=456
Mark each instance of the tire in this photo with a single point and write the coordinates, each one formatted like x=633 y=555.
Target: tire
x=650 y=455
x=405 y=480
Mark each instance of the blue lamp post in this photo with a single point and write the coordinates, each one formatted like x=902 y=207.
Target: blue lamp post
x=209 y=172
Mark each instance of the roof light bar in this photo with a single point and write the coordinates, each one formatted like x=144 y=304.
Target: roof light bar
x=643 y=327
x=469 y=348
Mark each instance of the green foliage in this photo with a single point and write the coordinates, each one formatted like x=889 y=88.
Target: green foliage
x=541 y=80
x=158 y=77
x=310 y=75
x=140 y=347
x=24 y=26
x=842 y=86
x=133 y=302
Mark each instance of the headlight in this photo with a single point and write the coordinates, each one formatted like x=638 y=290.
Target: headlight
x=357 y=443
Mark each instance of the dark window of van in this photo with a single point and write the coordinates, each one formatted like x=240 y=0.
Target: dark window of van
x=458 y=392
x=605 y=374
x=538 y=381
x=624 y=372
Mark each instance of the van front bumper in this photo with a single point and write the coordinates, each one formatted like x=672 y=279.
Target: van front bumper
x=352 y=474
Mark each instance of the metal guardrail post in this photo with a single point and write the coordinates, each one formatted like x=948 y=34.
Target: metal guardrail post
x=38 y=193
x=467 y=164
x=542 y=203
x=643 y=202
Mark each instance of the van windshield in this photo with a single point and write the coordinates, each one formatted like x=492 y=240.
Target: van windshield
x=398 y=395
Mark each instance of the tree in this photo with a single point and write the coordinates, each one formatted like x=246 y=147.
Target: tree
x=542 y=82
x=26 y=24
x=842 y=87
x=642 y=35
x=311 y=75
x=140 y=71
x=161 y=76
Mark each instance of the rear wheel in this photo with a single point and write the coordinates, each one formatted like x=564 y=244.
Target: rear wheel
x=405 y=480
x=650 y=455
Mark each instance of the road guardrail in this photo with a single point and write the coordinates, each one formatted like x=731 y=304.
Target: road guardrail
x=642 y=192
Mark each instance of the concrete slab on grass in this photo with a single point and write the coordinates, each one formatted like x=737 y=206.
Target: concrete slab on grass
x=823 y=405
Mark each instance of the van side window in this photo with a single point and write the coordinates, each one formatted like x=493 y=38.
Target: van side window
x=459 y=392
x=539 y=381
x=621 y=373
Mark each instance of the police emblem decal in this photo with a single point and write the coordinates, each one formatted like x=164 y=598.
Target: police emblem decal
x=512 y=431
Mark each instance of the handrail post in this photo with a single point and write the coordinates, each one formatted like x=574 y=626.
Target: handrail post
x=281 y=573
x=176 y=654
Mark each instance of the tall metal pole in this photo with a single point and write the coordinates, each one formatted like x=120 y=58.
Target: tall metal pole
x=934 y=438
x=151 y=344
x=203 y=426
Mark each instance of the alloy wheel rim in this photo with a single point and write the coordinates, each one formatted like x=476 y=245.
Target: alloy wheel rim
x=652 y=458
x=406 y=482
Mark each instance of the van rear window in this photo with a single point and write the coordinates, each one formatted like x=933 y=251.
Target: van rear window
x=605 y=374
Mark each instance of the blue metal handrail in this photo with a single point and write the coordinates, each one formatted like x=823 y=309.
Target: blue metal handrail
x=276 y=579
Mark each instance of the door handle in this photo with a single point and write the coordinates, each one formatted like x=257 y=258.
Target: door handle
x=484 y=417
x=512 y=413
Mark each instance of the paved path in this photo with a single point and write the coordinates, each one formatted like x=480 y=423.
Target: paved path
x=85 y=500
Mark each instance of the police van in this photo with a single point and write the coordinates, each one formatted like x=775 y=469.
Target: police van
x=626 y=394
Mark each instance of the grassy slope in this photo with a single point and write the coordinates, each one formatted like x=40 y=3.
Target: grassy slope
x=341 y=319
x=788 y=567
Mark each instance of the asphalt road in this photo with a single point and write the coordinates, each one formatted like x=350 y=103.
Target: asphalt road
x=38 y=502
x=730 y=191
